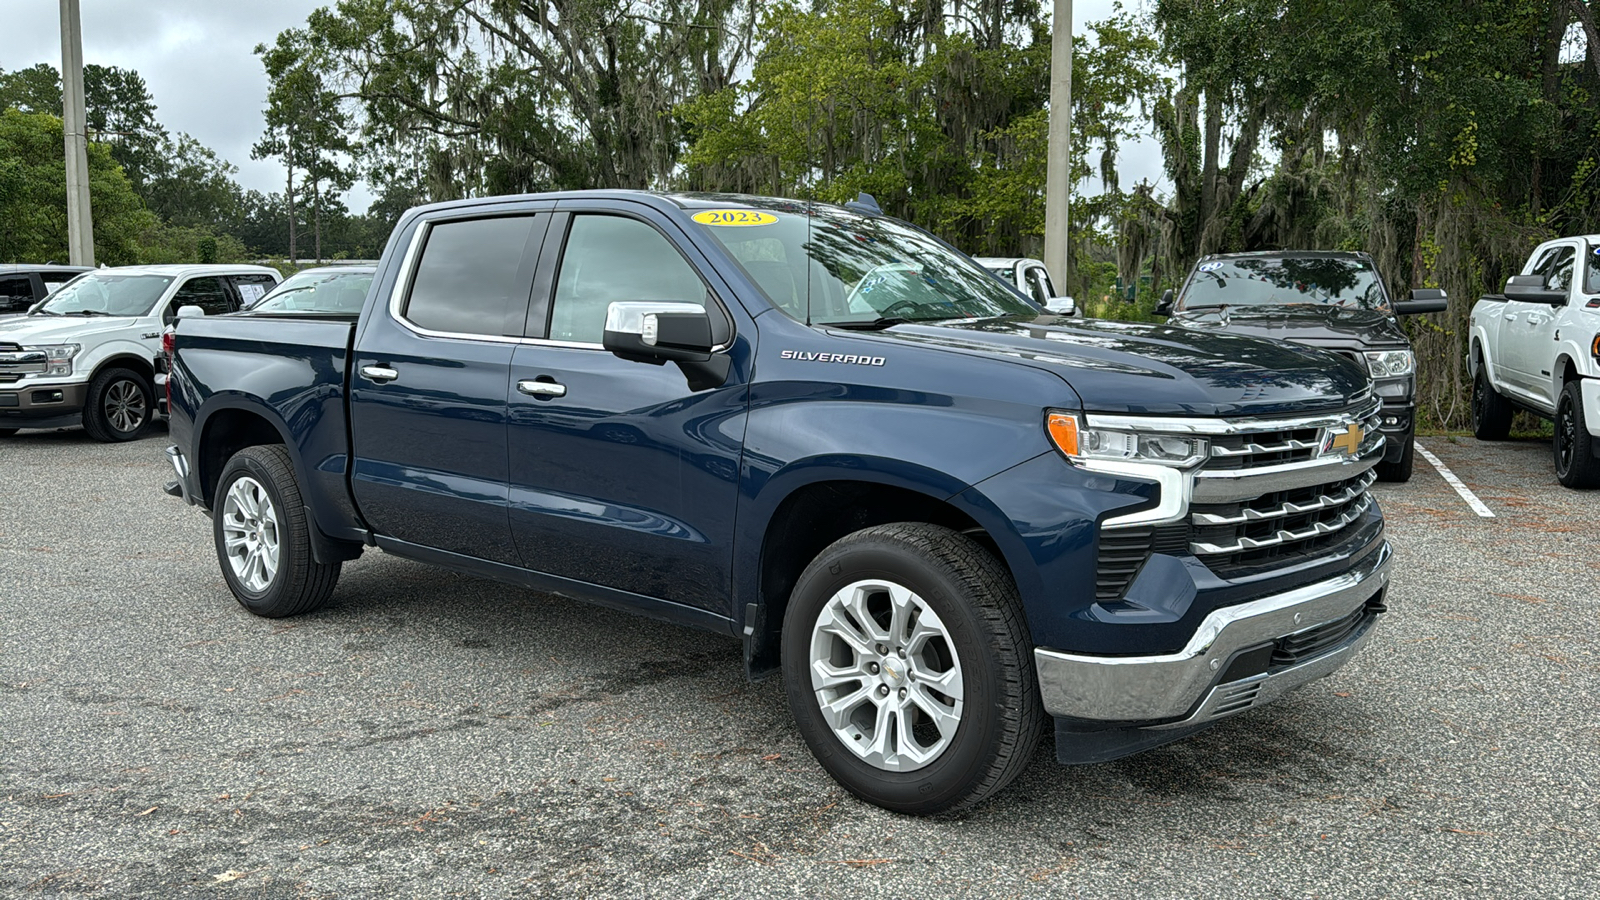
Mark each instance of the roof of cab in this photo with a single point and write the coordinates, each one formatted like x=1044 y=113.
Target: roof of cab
x=14 y=268
x=179 y=270
x=665 y=201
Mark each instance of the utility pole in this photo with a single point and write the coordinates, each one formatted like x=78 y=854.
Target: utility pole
x=1058 y=167
x=80 y=222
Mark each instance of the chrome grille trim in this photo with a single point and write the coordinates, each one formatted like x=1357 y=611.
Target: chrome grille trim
x=1317 y=529
x=1182 y=425
x=1327 y=501
x=1252 y=449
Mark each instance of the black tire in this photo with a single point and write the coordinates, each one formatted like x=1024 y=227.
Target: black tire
x=1400 y=469
x=1001 y=716
x=8 y=432
x=1491 y=413
x=298 y=584
x=120 y=406
x=1573 y=444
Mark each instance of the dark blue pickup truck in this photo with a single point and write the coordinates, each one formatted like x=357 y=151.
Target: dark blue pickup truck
x=942 y=513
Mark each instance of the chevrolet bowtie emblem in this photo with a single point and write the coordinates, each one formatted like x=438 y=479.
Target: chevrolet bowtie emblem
x=1348 y=440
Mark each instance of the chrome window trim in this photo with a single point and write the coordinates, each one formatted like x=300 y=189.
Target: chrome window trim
x=1195 y=425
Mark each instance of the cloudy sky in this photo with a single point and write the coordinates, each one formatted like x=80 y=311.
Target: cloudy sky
x=196 y=56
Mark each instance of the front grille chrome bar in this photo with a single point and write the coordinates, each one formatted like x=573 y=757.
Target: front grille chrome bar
x=1316 y=529
x=1327 y=501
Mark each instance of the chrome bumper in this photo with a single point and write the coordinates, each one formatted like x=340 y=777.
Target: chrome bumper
x=1180 y=690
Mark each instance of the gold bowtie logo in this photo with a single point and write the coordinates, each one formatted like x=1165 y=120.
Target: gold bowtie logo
x=1348 y=440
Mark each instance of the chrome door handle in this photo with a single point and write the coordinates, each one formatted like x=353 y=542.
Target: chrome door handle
x=542 y=388
x=380 y=374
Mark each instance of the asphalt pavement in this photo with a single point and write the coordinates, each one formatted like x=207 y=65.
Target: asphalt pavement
x=435 y=735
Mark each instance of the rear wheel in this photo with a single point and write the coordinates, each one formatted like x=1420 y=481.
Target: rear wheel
x=1573 y=445
x=1400 y=469
x=908 y=667
x=119 y=406
x=263 y=538
x=1491 y=413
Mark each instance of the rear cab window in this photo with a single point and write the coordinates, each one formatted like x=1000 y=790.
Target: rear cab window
x=16 y=293
x=474 y=277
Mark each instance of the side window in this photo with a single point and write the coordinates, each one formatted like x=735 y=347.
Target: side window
x=251 y=287
x=206 y=293
x=611 y=258
x=1558 y=277
x=1039 y=282
x=473 y=275
x=16 y=293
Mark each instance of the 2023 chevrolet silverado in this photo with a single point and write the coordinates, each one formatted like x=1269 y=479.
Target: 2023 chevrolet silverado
x=941 y=512
x=1537 y=347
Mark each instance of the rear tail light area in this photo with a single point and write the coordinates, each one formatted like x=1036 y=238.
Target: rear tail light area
x=169 y=344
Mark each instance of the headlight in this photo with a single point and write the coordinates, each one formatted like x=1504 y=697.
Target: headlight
x=1391 y=363
x=1081 y=443
x=60 y=361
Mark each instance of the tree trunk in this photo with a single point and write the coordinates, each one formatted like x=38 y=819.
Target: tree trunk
x=1209 y=161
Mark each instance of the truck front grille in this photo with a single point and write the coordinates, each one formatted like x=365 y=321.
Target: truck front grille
x=1279 y=526
x=1296 y=648
x=1265 y=448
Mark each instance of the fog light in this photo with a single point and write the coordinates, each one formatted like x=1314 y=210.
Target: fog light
x=47 y=397
x=1391 y=420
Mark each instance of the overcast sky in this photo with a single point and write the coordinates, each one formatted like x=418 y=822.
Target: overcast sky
x=196 y=56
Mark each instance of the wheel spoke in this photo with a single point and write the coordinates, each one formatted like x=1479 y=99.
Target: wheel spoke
x=856 y=604
x=945 y=718
x=835 y=623
x=825 y=677
x=902 y=606
x=837 y=713
x=947 y=682
x=883 y=734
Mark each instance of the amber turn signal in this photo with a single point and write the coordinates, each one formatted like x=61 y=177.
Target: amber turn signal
x=1063 y=428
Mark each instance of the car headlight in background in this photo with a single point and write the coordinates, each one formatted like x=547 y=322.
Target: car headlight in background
x=1391 y=363
x=1081 y=443
x=60 y=361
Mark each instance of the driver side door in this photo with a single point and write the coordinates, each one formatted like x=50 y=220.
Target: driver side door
x=1526 y=340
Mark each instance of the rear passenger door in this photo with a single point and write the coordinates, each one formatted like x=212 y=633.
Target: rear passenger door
x=428 y=386
x=623 y=474
x=251 y=288
x=16 y=294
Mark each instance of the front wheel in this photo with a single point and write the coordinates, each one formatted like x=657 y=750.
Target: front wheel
x=1491 y=413
x=263 y=538
x=119 y=406
x=1573 y=445
x=1400 y=470
x=908 y=668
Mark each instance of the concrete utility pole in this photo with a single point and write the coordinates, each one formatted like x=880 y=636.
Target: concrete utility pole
x=1058 y=169
x=80 y=222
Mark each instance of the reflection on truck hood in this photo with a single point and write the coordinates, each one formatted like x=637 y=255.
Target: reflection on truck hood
x=1325 y=326
x=1130 y=367
x=28 y=330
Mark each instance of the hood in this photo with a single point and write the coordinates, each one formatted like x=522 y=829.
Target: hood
x=1315 y=324
x=1127 y=367
x=29 y=330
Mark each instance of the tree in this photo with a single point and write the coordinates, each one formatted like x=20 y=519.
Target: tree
x=118 y=108
x=33 y=196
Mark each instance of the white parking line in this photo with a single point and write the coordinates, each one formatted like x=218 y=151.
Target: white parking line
x=1451 y=479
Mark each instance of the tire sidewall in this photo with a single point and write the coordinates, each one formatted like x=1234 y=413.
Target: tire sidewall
x=261 y=603
x=96 y=407
x=942 y=782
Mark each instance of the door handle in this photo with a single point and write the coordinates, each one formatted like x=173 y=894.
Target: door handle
x=380 y=374
x=542 y=388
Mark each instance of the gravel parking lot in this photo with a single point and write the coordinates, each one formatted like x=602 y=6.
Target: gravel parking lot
x=433 y=735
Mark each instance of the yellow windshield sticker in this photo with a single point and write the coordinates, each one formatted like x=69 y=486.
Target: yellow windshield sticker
x=734 y=217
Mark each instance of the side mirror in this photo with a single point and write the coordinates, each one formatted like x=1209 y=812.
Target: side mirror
x=644 y=331
x=189 y=312
x=1423 y=300
x=1062 y=306
x=1531 y=289
x=1164 y=306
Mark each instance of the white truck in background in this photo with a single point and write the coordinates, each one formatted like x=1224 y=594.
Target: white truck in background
x=1537 y=347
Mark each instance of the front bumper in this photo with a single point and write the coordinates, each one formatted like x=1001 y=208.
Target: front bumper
x=1591 y=404
x=42 y=405
x=1240 y=657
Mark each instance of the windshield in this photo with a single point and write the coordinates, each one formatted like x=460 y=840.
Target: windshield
x=1280 y=281
x=334 y=293
x=836 y=267
x=107 y=294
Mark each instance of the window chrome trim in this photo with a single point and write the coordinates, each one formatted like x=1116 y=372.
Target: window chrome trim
x=1194 y=425
x=402 y=287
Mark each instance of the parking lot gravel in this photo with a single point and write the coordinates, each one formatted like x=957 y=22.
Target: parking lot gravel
x=434 y=735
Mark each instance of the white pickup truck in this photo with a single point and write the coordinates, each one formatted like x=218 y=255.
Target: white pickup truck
x=86 y=354
x=1537 y=347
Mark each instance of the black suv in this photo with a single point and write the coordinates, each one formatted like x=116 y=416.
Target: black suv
x=23 y=284
x=1329 y=299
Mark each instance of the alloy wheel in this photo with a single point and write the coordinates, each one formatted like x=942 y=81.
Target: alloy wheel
x=886 y=675
x=250 y=532
x=1566 y=436
x=124 y=406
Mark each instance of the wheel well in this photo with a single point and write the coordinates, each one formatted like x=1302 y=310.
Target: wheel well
x=142 y=366
x=227 y=432
x=813 y=517
x=1567 y=370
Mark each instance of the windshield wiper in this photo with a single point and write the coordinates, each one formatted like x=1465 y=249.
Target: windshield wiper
x=877 y=324
x=86 y=313
x=43 y=312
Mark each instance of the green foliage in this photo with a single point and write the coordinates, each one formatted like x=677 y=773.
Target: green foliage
x=33 y=196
